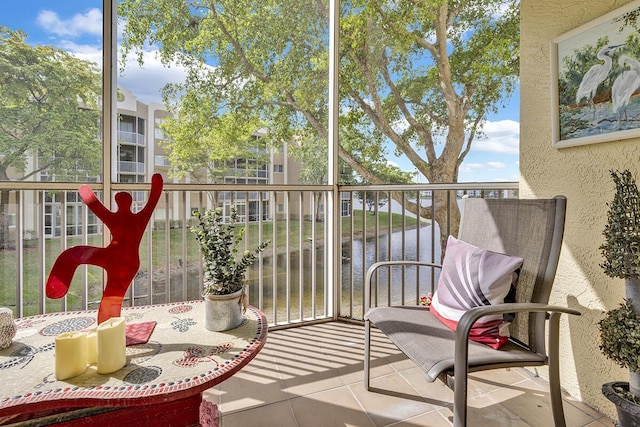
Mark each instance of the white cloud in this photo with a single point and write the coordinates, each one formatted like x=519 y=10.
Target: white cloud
x=501 y=136
x=79 y=24
x=85 y=52
x=489 y=171
x=485 y=167
x=400 y=125
x=392 y=163
x=147 y=82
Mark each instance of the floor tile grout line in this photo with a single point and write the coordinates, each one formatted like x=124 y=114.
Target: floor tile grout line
x=326 y=349
x=293 y=413
x=361 y=405
x=436 y=411
x=565 y=396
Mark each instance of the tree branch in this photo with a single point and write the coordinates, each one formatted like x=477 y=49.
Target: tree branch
x=423 y=133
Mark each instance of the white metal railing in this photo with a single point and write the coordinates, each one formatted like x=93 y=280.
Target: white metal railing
x=131 y=167
x=131 y=137
x=291 y=282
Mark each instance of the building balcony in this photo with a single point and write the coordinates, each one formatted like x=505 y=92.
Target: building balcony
x=132 y=138
x=130 y=167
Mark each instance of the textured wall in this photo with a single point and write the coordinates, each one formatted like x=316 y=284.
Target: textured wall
x=582 y=175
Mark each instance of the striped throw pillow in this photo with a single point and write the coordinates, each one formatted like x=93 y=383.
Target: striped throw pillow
x=473 y=277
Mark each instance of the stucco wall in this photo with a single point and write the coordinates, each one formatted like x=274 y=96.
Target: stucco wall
x=582 y=175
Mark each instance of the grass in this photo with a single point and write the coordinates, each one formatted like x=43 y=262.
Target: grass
x=165 y=251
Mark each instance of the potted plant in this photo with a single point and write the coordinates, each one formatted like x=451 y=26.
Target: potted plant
x=620 y=328
x=224 y=269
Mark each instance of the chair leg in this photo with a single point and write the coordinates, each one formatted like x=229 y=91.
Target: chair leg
x=555 y=392
x=460 y=379
x=367 y=353
x=460 y=399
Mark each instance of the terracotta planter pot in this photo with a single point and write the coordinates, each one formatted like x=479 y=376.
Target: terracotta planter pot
x=628 y=412
x=224 y=312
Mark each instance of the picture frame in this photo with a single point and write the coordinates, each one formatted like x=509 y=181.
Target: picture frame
x=595 y=80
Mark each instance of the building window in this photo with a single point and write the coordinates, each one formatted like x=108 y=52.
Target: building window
x=126 y=154
x=162 y=161
x=278 y=168
x=346 y=207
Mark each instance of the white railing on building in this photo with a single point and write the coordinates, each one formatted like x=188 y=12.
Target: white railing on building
x=131 y=167
x=131 y=137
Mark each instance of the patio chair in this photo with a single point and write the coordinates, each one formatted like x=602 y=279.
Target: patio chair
x=529 y=229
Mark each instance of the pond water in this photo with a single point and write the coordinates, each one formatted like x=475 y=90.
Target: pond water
x=292 y=286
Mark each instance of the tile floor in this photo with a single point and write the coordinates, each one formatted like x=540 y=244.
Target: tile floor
x=312 y=376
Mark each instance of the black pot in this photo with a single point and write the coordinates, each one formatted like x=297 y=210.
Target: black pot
x=628 y=411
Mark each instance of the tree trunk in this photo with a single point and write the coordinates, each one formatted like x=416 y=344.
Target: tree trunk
x=632 y=291
x=448 y=223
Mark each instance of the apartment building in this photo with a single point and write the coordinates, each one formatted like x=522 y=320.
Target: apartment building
x=139 y=153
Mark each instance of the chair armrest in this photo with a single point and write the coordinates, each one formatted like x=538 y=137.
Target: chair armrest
x=470 y=317
x=377 y=265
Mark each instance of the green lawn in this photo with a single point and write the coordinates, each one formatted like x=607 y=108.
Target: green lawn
x=164 y=251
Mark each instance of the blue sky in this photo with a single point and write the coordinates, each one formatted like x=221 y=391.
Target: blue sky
x=76 y=26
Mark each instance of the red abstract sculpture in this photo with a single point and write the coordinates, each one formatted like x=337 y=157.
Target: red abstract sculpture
x=120 y=259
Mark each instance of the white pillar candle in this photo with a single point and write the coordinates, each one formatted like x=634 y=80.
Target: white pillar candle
x=112 y=345
x=92 y=347
x=70 y=354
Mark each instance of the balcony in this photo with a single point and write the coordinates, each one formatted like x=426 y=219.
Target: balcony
x=131 y=138
x=131 y=167
x=310 y=286
x=305 y=275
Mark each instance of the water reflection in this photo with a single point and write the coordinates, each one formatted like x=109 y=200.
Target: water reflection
x=397 y=285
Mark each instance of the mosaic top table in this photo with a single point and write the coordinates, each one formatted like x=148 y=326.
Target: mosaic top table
x=161 y=383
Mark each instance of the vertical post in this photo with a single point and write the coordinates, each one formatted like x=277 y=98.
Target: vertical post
x=41 y=247
x=109 y=103
x=19 y=254
x=109 y=99
x=332 y=214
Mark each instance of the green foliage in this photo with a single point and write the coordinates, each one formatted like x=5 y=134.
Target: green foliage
x=620 y=328
x=621 y=249
x=48 y=111
x=411 y=73
x=200 y=140
x=224 y=271
x=312 y=152
x=620 y=336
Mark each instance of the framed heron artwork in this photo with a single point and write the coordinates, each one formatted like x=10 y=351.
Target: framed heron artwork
x=595 y=90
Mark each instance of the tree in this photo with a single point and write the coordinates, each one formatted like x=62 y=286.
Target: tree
x=421 y=75
x=312 y=153
x=202 y=145
x=48 y=115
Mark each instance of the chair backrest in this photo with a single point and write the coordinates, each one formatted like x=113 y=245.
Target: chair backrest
x=531 y=229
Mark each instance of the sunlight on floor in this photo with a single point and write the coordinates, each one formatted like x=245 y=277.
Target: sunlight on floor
x=312 y=376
